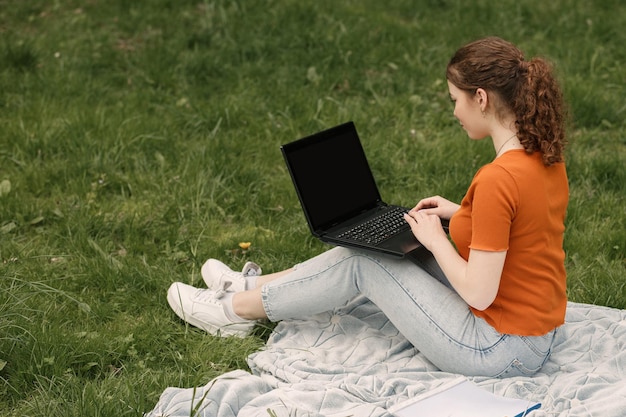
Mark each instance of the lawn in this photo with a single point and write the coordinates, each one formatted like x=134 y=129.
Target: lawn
x=139 y=138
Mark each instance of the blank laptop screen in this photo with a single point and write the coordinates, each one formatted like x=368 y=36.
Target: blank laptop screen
x=332 y=176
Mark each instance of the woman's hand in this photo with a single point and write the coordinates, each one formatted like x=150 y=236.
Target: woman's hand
x=425 y=219
x=437 y=205
x=425 y=227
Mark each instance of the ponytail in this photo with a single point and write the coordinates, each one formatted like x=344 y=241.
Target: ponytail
x=527 y=89
x=538 y=108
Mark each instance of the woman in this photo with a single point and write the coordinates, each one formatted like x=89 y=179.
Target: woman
x=495 y=309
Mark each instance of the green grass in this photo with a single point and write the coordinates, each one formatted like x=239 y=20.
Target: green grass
x=140 y=138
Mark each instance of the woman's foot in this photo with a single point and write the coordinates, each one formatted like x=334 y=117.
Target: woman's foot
x=220 y=277
x=205 y=309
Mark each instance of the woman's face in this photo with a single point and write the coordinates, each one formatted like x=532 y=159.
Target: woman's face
x=468 y=112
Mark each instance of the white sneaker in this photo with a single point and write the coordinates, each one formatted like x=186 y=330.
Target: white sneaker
x=204 y=309
x=219 y=276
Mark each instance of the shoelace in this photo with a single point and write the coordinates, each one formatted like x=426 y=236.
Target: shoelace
x=208 y=296
x=250 y=269
x=219 y=293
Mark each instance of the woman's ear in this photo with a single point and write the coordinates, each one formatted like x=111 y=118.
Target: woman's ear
x=482 y=98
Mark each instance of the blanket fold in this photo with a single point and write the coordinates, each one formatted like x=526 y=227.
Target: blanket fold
x=353 y=362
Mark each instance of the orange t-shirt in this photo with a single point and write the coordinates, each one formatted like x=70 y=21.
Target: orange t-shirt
x=518 y=205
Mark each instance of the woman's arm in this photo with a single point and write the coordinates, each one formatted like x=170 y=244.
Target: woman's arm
x=475 y=280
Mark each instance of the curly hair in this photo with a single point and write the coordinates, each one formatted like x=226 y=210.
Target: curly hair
x=528 y=89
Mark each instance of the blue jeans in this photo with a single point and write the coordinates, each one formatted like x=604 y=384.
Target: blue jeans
x=423 y=307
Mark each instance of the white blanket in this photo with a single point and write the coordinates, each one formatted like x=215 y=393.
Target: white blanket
x=353 y=362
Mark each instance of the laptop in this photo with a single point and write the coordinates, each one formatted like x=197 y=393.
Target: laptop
x=339 y=196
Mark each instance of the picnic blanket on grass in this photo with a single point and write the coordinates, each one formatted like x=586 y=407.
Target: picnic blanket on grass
x=353 y=362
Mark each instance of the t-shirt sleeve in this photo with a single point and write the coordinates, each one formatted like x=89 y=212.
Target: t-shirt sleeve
x=493 y=208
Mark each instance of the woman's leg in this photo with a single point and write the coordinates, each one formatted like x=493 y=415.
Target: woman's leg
x=428 y=313
x=249 y=304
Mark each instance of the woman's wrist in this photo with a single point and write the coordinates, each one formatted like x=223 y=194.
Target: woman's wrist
x=439 y=244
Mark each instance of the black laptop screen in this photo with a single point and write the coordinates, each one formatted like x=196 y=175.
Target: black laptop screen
x=331 y=175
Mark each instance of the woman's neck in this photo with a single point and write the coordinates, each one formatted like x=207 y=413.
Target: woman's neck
x=508 y=144
x=505 y=138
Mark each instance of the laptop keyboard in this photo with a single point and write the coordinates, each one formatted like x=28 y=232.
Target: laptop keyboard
x=378 y=228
